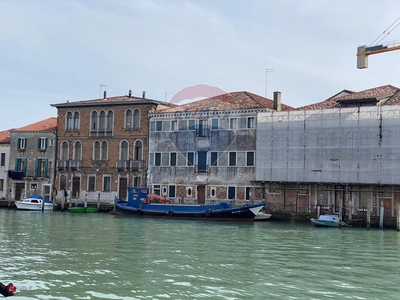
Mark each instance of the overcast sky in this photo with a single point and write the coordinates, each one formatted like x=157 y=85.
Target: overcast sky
x=54 y=51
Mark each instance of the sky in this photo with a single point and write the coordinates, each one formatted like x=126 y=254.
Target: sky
x=58 y=51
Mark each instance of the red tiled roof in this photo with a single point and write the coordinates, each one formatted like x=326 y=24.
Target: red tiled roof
x=49 y=124
x=229 y=101
x=4 y=137
x=388 y=93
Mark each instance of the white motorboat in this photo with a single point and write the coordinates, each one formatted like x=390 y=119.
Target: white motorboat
x=328 y=220
x=34 y=202
x=262 y=216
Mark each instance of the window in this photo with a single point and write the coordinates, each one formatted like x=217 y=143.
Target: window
x=232 y=159
x=128 y=119
x=21 y=143
x=110 y=121
x=69 y=124
x=77 y=151
x=191 y=125
x=214 y=158
x=63 y=182
x=213 y=192
x=231 y=192
x=190 y=158
x=158 y=125
x=136 y=181
x=123 y=150
x=42 y=168
x=172 y=159
x=251 y=122
x=202 y=128
x=189 y=192
x=250 y=159
x=76 y=121
x=232 y=123
x=104 y=151
x=64 y=151
x=42 y=143
x=106 y=183
x=21 y=164
x=136 y=118
x=138 y=154
x=91 y=183
x=171 y=192
x=51 y=142
x=248 y=192
x=2 y=159
x=96 y=151
x=157 y=159
x=1 y=185
x=174 y=125
x=157 y=189
x=93 y=120
x=214 y=124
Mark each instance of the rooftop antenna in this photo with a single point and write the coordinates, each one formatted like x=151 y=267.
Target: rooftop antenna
x=102 y=86
x=266 y=79
x=166 y=95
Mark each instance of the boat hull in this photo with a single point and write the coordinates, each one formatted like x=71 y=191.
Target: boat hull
x=329 y=220
x=190 y=212
x=82 y=210
x=35 y=204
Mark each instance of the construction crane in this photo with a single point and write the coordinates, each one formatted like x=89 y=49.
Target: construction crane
x=364 y=51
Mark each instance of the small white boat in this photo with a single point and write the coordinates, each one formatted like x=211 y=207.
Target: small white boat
x=262 y=216
x=328 y=220
x=34 y=202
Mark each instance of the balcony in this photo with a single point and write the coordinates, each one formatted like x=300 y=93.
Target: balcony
x=122 y=165
x=37 y=174
x=136 y=165
x=75 y=165
x=62 y=164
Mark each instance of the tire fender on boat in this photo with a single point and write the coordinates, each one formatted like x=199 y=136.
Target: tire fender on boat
x=139 y=211
x=170 y=213
x=208 y=212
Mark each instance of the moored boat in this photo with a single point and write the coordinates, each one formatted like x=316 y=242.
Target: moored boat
x=80 y=208
x=262 y=216
x=34 y=202
x=328 y=220
x=141 y=203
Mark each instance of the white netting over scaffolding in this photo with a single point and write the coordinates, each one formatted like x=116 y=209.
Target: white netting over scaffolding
x=341 y=145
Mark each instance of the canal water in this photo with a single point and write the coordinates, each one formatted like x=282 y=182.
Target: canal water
x=60 y=255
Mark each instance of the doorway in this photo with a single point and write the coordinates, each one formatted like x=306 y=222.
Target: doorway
x=76 y=187
x=201 y=194
x=122 y=188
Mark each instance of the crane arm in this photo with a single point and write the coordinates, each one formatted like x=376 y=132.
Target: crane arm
x=364 y=51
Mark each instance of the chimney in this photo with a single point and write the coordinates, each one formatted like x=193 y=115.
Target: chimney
x=105 y=95
x=144 y=94
x=130 y=94
x=277 y=101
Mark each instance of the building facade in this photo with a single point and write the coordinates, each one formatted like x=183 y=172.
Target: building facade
x=102 y=146
x=32 y=157
x=342 y=154
x=4 y=164
x=205 y=151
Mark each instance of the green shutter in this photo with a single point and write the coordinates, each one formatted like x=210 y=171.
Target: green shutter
x=37 y=166
x=46 y=167
x=17 y=164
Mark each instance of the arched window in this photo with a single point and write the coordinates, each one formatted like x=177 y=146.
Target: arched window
x=77 y=153
x=110 y=120
x=124 y=150
x=104 y=151
x=64 y=151
x=136 y=118
x=94 y=121
x=138 y=154
x=76 y=121
x=69 y=121
x=102 y=120
x=96 y=151
x=128 y=119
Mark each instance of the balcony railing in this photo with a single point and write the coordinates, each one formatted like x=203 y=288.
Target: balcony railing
x=74 y=165
x=122 y=165
x=136 y=165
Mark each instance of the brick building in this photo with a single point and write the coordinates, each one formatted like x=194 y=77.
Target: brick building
x=102 y=146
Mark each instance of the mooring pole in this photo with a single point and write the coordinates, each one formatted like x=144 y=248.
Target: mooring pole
x=381 y=211
x=368 y=221
x=398 y=217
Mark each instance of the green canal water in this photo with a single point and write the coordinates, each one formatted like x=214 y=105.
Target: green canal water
x=60 y=255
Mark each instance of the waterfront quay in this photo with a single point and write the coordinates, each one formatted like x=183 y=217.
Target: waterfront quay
x=358 y=220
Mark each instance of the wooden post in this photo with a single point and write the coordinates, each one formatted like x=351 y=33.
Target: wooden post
x=98 y=201
x=381 y=212
x=318 y=210
x=368 y=221
x=350 y=209
x=341 y=210
x=398 y=216
x=9 y=198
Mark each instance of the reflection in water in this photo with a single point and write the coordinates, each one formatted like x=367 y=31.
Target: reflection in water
x=55 y=255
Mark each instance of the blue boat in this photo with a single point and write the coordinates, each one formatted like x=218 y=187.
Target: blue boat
x=144 y=204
